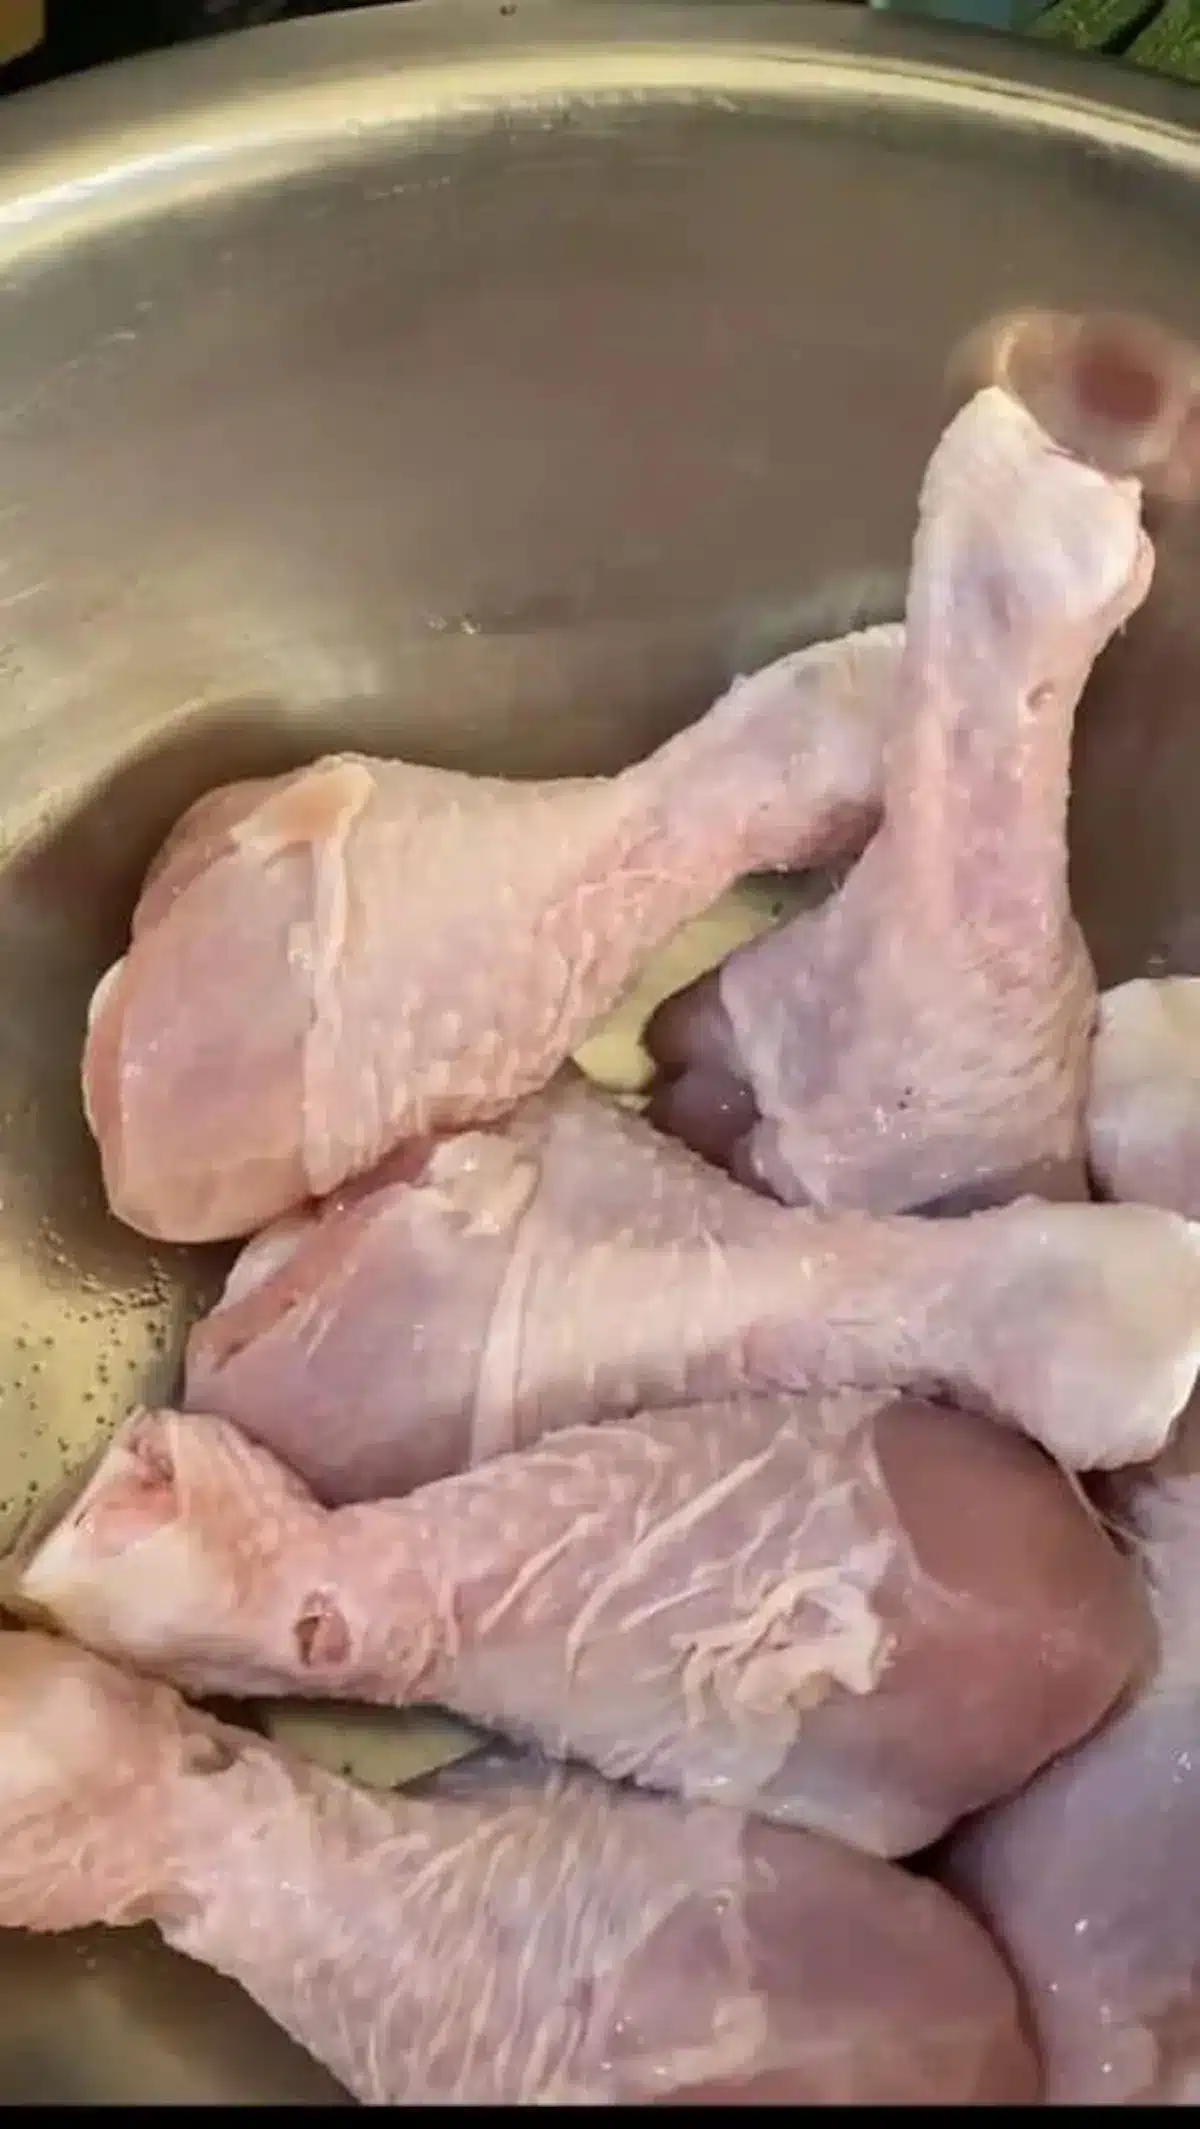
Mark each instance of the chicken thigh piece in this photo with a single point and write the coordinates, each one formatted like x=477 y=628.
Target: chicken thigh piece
x=328 y=964
x=1090 y=1879
x=858 y=1615
x=921 y=1040
x=526 y=1938
x=573 y=1264
x=1144 y=1105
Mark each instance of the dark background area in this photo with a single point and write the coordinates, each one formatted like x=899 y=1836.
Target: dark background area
x=82 y=33
x=1160 y=34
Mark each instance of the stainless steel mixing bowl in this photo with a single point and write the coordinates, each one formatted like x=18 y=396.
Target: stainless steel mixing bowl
x=470 y=381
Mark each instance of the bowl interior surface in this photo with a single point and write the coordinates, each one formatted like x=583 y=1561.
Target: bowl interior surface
x=482 y=400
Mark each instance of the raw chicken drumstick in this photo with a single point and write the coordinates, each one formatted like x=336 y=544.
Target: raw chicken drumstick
x=1144 y=1105
x=1091 y=1878
x=922 y=1039
x=572 y=1264
x=862 y=1616
x=511 y=1937
x=328 y=964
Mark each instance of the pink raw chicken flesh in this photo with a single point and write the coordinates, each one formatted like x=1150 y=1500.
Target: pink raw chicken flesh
x=1144 y=1108
x=516 y=1939
x=922 y=1039
x=327 y=964
x=1091 y=1878
x=858 y=1615
x=572 y=1264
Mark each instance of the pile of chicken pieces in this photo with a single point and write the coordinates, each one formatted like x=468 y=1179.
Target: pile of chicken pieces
x=724 y=1456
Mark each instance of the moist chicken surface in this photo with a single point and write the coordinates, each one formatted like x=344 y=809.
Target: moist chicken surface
x=525 y=1938
x=923 y=1038
x=326 y=965
x=1144 y=1107
x=860 y=1615
x=1089 y=1878
x=573 y=1264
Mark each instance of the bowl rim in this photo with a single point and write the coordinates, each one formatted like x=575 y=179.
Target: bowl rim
x=142 y=130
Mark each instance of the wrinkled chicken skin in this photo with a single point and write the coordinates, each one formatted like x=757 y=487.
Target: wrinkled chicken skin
x=1089 y=1879
x=1144 y=1105
x=519 y=1938
x=861 y=1616
x=333 y=962
x=922 y=1039
x=572 y=1264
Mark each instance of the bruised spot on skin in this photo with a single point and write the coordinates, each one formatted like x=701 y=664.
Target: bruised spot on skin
x=1117 y=381
x=1117 y=390
x=322 y=1635
x=206 y=1753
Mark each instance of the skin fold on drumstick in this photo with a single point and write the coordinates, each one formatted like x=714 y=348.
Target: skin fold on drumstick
x=511 y=1938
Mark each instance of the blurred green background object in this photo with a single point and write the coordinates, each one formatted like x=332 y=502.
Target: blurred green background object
x=988 y=14
x=1162 y=34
